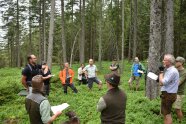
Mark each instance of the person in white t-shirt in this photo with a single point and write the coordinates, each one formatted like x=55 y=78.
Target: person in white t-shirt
x=81 y=75
x=91 y=75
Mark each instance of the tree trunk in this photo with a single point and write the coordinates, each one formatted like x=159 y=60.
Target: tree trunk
x=72 y=10
x=123 y=38
x=100 y=35
x=117 y=33
x=63 y=33
x=44 y=32
x=40 y=34
x=169 y=35
x=73 y=46
x=154 y=47
x=82 y=42
x=130 y=34
x=51 y=33
x=94 y=27
x=162 y=50
x=180 y=29
x=30 y=27
x=17 y=38
x=135 y=30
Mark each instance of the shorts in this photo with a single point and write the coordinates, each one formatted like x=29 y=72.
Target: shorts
x=91 y=80
x=167 y=100
x=132 y=78
x=179 y=102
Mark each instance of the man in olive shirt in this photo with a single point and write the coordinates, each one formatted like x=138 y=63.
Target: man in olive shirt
x=113 y=104
x=182 y=81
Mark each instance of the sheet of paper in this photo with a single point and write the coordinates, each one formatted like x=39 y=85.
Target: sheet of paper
x=139 y=71
x=59 y=107
x=152 y=76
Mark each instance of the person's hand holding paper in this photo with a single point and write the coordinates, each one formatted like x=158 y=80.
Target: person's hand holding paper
x=56 y=109
x=152 y=76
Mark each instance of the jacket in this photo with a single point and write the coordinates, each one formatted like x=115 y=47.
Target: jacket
x=62 y=75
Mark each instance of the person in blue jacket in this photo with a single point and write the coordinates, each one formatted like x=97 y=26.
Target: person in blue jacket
x=136 y=72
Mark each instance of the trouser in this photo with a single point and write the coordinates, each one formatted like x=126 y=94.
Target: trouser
x=71 y=86
x=29 y=84
x=92 y=80
x=47 y=89
x=167 y=100
x=83 y=81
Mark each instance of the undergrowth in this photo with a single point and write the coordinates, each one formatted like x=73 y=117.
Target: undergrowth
x=140 y=110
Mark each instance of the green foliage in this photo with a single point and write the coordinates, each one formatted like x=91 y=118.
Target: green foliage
x=140 y=110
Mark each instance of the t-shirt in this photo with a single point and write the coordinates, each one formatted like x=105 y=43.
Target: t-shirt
x=91 y=70
x=30 y=71
x=182 y=82
x=47 y=81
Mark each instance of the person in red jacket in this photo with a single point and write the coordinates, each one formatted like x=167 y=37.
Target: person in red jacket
x=66 y=76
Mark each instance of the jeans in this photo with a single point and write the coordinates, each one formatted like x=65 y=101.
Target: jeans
x=71 y=86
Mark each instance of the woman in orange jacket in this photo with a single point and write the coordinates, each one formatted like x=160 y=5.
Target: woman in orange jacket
x=66 y=76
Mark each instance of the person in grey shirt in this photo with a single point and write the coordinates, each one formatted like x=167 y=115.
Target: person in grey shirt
x=168 y=80
x=38 y=106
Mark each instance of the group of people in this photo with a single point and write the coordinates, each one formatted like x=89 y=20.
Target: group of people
x=113 y=104
x=172 y=79
x=86 y=75
x=32 y=69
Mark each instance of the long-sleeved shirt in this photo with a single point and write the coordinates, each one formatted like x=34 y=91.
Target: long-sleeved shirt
x=170 y=80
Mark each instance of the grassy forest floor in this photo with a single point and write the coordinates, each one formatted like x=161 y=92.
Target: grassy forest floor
x=140 y=110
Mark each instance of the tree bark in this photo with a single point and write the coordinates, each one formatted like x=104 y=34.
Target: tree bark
x=51 y=33
x=72 y=10
x=180 y=29
x=169 y=35
x=63 y=32
x=135 y=30
x=123 y=38
x=44 y=32
x=73 y=46
x=162 y=50
x=17 y=38
x=91 y=29
x=40 y=34
x=82 y=42
x=130 y=33
x=30 y=27
x=100 y=35
x=154 y=47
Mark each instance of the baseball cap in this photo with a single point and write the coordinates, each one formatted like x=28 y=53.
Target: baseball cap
x=180 y=59
x=112 y=78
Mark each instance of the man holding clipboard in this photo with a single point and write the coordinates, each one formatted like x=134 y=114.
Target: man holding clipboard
x=168 y=80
